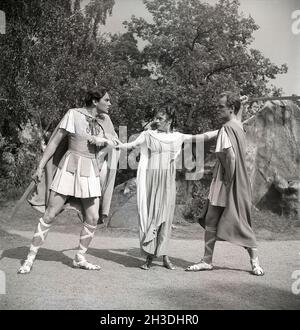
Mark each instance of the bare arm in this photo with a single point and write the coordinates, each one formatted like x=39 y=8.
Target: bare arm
x=201 y=137
x=48 y=153
x=133 y=144
x=244 y=107
x=52 y=146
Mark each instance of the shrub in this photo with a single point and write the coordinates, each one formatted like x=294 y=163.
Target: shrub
x=18 y=162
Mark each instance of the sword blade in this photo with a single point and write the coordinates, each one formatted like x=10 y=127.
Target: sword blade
x=22 y=199
x=274 y=98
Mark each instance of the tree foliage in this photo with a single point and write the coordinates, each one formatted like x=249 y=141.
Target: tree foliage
x=50 y=53
x=54 y=49
x=199 y=50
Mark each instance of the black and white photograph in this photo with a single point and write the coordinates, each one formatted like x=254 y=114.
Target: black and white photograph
x=149 y=157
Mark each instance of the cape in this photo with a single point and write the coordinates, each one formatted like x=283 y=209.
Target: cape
x=107 y=159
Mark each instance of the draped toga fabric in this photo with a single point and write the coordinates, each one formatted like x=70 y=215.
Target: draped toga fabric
x=235 y=223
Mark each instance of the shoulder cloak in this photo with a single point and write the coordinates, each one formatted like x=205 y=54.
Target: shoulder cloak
x=107 y=159
x=235 y=223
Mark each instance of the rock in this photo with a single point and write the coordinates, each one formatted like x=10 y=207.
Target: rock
x=273 y=154
x=123 y=213
x=289 y=201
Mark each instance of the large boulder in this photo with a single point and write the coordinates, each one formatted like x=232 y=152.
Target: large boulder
x=273 y=156
x=273 y=163
x=123 y=212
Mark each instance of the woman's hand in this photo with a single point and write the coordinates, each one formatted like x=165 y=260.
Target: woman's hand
x=37 y=176
x=112 y=143
x=120 y=145
x=100 y=141
x=115 y=141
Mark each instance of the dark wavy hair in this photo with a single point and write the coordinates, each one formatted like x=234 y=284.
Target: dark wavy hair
x=232 y=100
x=94 y=94
x=170 y=111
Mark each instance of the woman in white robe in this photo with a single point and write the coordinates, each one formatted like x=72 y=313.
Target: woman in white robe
x=156 y=185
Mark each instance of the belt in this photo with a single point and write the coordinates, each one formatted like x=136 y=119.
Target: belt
x=81 y=153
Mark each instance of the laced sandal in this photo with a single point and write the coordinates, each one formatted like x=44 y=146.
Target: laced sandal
x=256 y=268
x=147 y=264
x=26 y=267
x=82 y=263
x=168 y=264
x=202 y=265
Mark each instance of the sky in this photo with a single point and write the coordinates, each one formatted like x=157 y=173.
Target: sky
x=275 y=38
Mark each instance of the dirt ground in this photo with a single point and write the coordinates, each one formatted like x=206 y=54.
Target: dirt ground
x=54 y=284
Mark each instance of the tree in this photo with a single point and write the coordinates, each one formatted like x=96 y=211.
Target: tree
x=198 y=50
x=54 y=49
x=50 y=52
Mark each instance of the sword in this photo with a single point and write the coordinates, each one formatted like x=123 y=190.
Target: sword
x=274 y=98
x=22 y=199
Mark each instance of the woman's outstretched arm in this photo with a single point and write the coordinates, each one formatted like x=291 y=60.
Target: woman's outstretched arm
x=130 y=145
x=201 y=137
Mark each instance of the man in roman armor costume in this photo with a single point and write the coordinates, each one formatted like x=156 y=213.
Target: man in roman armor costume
x=75 y=173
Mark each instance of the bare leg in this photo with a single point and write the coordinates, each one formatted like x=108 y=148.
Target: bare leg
x=211 y=222
x=56 y=203
x=91 y=207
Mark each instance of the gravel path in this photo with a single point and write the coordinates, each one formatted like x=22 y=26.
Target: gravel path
x=53 y=284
